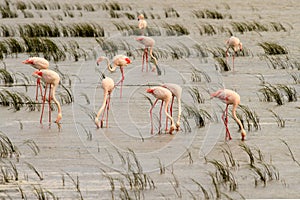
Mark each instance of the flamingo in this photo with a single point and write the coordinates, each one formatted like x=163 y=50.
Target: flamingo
x=148 y=42
x=108 y=86
x=233 y=98
x=118 y=61
x=38 y=63
x=176 y=91
x=165 y=95
x=142 y=23
x=52 y=79
x=235 y=44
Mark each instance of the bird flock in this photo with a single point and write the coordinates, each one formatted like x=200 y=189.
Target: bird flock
x=165 y=92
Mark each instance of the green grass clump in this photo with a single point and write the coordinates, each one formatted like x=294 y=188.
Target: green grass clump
x=175 y=30
x=6 y=77
x=271 y=48
x=208 y=14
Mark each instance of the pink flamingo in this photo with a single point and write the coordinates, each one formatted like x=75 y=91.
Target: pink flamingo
x=176 y=91
x=142 y=23
x=229 y=97
x=118 y=61
x=52 y=79
x=108 y=86
x=165 y=95
x=148 y=42
x=38 y=63
x=235 y=44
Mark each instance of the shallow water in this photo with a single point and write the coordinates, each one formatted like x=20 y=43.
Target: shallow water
x=81 y=150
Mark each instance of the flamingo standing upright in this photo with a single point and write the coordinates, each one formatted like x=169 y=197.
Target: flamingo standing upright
x=148 y=42
x=38 y=63
x=235 y=44
x=230 y=97
x=142 y=23
x=165 y=95
x=52 y=79
x=108 y=86
x=118 y=61
x=176 y=91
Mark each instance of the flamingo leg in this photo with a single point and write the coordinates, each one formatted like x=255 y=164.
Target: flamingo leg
x=103 y=114
x=160 y=115
x=107 y=109
x=233 y=61
x=143 y=58
x=49 y=103
x=122 y=71
x=226 y=54
x=38 y=85
x=225 y=120
x=151 y=119
x=147 y=60
x=43 y=104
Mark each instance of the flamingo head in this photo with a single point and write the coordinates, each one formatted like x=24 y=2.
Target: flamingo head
x=140 y=17
x=128 y=61
x=100 y=59
x=241 y=46
x=140 y=39
x=150 y=90
x=28 y=61
x=37 y=74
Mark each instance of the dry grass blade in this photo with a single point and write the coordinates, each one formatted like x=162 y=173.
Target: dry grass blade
x=30 y=166
x=291 y=152
x=280 y=121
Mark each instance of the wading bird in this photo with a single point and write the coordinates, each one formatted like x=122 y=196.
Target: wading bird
x=142 y=23
x=235 y=44
x=118 y=61
x=176 y=91
x=165 y=95
x=148 y=42
x=38 y=63
x=108 y=86
x=233 y=98
x=52 y=79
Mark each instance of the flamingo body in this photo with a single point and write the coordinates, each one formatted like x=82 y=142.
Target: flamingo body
x=38 y=63
x=142 y=23
x=118 y=61
x=50 y=78
x=148 y=42
x=176 y=91
x=165 y=95
x=230 y=97
x=235 y=44
x=108 y=86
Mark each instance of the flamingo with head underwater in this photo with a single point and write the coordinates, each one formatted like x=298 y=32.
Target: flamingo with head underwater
x=148 y=42
x=108 y=85
x=52 y=79
x=229 y=97
x=176 y=91
x=118 y=61
x=235 y=44
x=165 y=95
x=38 y=63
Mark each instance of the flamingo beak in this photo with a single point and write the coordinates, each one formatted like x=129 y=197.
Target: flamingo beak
x=28 y=61
x=150 y=90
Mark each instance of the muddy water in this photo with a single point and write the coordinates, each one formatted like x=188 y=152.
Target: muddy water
x=83 y=151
